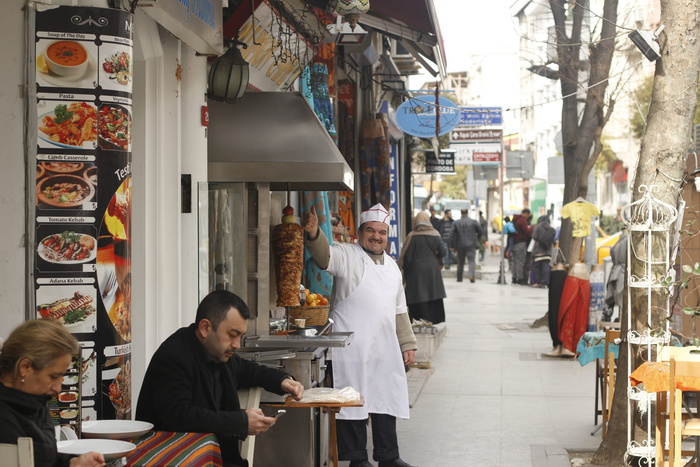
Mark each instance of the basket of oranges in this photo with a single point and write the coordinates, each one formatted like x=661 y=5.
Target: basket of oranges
x=315 y=312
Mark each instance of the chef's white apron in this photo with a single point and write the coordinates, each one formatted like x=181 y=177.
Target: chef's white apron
x=373 y=362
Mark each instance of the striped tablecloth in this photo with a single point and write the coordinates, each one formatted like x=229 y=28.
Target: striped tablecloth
x=160 y=448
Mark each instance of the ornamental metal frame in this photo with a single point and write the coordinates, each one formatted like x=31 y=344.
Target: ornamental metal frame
x=652 y=218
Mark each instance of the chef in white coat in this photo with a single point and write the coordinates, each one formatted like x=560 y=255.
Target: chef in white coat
x=368 y=299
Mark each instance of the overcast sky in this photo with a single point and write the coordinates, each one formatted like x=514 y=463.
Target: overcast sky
x=472 y=27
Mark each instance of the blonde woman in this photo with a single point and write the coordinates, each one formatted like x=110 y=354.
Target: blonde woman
x=33 y=360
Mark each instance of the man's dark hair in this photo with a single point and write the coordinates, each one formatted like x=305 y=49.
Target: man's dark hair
x=216 y=306
x=525 y=211
x=464 y=211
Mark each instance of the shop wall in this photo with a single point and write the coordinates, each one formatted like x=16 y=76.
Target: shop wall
x=169 y=90
x=12 y=175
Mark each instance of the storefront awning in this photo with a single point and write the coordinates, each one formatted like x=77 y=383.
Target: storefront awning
x=415 y=24
x=274 y=137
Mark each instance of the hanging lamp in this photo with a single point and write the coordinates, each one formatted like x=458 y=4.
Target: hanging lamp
x=228 y=76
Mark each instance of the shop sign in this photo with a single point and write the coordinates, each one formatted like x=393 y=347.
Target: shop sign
x=81 y=151
x=464 y=153
x=199 y=23
x=346 y=95
x=486 y=157
x=205 y=115
x=419 y=116
x=481 y=116
x=277 y=54
x=393 y=237
x=443 y=164
x=465 y=135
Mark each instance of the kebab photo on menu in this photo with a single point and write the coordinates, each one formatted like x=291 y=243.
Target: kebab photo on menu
x=288 y=250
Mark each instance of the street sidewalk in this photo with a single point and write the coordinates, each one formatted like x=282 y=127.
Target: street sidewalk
x=490 y=398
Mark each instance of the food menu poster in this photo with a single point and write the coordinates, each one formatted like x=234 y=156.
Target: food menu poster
x=82 y=255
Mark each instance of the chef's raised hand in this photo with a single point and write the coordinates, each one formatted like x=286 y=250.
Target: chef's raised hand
x=311 y=223
x=258 y=422
x=294 y=388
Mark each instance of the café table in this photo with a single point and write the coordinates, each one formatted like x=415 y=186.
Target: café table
x=656 y=378
x=159 y=448
x=332 y=408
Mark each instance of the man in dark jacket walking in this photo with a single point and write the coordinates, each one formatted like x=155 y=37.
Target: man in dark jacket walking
x=464 y=238
x=445 y=229
x=521 y=238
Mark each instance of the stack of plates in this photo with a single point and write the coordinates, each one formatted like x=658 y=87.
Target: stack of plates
x=108 y=436
x=115 y=429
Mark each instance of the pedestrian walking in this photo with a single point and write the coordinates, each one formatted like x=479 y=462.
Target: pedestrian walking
x=434 y=221
x=521 y=238
x=484 y=239
x=543 y=235
x=421 y=261
x=465 y=240
x=445 y=229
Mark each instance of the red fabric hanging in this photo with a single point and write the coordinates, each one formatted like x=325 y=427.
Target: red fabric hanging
x=574 y=306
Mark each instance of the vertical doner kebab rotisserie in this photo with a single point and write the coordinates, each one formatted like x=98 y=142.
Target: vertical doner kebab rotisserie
x=288 y=249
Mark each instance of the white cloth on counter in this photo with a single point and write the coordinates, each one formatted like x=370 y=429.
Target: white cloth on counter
x=331 y=395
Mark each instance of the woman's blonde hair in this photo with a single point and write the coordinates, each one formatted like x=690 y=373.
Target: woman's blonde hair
x=41 y=341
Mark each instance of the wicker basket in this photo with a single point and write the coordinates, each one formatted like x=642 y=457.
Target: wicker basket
x=314 y=315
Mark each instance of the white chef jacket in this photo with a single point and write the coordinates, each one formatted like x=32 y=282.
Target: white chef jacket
x=373 y=362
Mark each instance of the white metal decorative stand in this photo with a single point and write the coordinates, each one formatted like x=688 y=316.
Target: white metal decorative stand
x=649 y=222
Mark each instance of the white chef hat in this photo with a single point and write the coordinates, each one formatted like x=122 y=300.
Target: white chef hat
x=376 y=213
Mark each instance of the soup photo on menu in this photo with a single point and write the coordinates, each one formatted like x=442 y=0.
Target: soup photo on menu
x=66 y=63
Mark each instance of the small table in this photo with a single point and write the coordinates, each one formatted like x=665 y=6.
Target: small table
x=331 y=408
x=159 y=448
x=656 y=378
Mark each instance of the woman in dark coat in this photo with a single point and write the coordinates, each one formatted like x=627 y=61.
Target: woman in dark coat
x=421 y=261
x=32 y=363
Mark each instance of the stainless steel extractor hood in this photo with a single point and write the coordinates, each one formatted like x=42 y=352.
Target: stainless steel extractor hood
x=274 y=137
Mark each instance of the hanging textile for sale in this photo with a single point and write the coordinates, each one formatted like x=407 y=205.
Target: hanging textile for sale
x=573 y=309
x=557 y=279
x=345 y=210
x=597 y=296
x=375 y=182
x=314 y=86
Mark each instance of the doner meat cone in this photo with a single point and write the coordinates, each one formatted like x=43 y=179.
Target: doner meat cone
x=288 y=249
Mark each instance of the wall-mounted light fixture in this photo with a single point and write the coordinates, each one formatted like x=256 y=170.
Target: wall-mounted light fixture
x=344 y=33
x=228 y=76
x=394 y=84
x=647 y=42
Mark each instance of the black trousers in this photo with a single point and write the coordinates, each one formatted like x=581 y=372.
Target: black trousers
x=352 y=439
x=556 y=287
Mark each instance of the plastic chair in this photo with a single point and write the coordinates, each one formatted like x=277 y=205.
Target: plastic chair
x=18 y=455
x=681 y=369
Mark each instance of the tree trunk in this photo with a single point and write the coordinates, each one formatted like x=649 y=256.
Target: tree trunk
x=664 y=149
x=581 y=136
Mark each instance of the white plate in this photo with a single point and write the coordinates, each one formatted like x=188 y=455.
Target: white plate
x=46 y=256
x=71 y=81
x=110 y=448
x=115 y=429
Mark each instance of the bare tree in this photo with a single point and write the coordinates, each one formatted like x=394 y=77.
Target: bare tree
x=581 y=133
x=664 y=149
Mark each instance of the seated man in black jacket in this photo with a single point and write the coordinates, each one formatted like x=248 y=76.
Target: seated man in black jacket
x=192 y=380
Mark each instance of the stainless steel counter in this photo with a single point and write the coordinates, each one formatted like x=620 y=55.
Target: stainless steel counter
x=333 y=339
